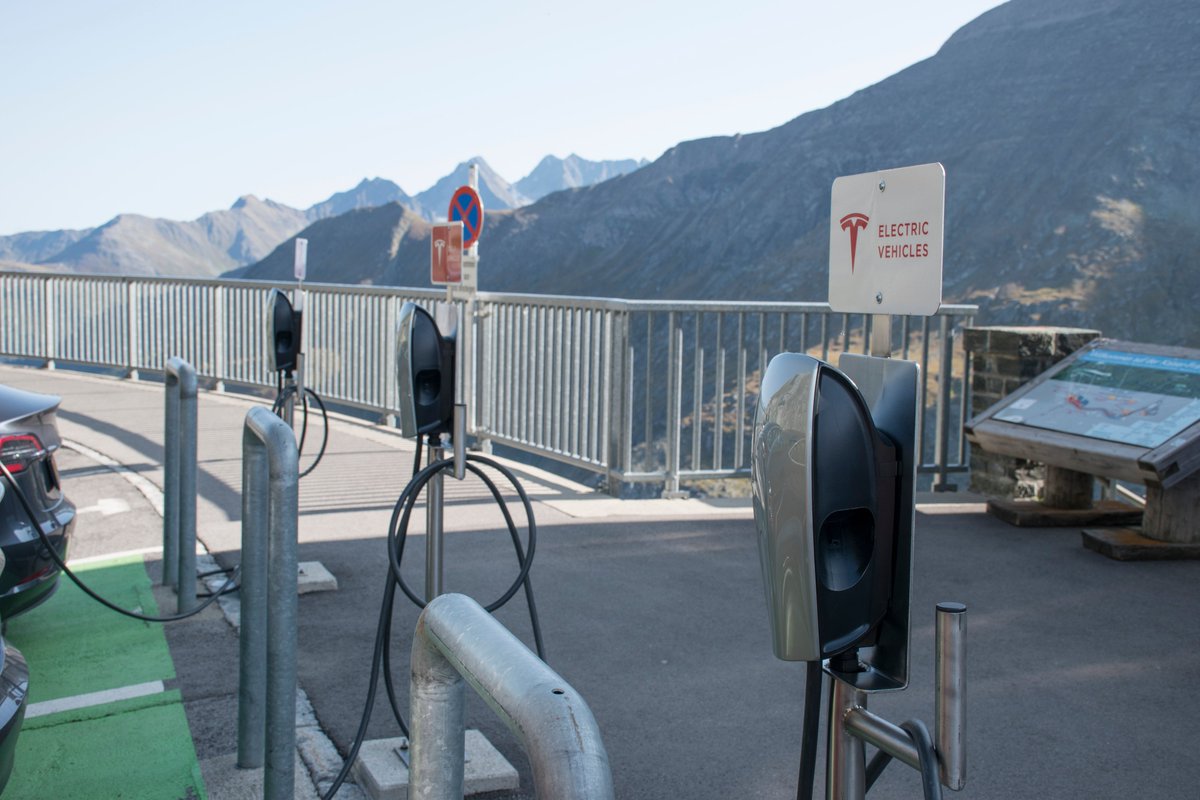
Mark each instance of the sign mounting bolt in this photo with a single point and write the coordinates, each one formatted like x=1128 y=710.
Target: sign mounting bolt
x=879 y=298
x=882 y=185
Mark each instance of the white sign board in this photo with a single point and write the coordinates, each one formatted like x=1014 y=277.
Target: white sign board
x=885 y=241
x=300 y=265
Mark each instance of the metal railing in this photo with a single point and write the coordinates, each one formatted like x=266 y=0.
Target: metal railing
x=635 y=391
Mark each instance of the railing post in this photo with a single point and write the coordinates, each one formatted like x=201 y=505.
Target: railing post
x=674 y=405
x=945 y=378
x=132 y=329
x=179 y=482
x=455 y=640
x=267 y=640
x=220 y=335
x=48 y=313
x=616 y=394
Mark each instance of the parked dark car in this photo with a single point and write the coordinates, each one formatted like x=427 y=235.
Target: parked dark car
x=28 y=441
x=14 y=696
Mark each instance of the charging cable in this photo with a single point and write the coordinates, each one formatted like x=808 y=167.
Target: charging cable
x=287 y=394
x=396 y=538
x=62 y=565
x=931 y=786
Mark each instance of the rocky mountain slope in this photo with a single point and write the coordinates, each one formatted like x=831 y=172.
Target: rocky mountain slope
x=553 y=174
x=221 y=241
x=1067 y=129
x=131 y=244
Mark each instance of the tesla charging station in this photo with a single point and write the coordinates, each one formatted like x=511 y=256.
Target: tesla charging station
x=285 y=342
x=432 y=350
x=834 y=466
x=284 y=318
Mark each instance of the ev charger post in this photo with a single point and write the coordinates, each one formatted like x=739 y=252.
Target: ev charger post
x=448 y=319
x=300 y=270
x=267 y=639
x=179 y=483
x=838 y=580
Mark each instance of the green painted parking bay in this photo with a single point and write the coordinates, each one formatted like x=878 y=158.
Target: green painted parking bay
x=100 y=723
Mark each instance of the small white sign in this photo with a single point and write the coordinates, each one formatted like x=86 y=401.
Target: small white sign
x=301 y=263
x=885 y=241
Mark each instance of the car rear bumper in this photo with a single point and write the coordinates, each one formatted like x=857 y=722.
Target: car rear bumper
x=35 y=572
x=14 y=696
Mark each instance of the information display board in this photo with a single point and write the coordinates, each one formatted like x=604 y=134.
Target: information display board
x=1117 y=409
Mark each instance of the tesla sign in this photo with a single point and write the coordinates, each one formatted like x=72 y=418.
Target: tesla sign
x=885 y=241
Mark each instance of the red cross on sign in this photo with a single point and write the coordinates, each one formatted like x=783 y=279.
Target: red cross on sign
x=466 y=207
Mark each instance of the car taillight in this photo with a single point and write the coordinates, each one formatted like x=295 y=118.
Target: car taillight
x=18 y=452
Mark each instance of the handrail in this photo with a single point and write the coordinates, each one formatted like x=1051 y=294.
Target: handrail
x=633 y=391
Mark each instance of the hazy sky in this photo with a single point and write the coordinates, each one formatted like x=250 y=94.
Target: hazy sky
x=172 y=109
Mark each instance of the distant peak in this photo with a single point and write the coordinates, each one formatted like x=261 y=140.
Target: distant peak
x=243 y=201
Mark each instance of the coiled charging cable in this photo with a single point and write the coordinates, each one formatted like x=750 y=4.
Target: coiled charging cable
x=286 y=395
x=396 y=538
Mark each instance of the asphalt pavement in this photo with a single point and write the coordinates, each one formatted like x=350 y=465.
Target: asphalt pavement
x=1080 y=669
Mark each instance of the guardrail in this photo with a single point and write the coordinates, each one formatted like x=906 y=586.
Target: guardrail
x=634 y=391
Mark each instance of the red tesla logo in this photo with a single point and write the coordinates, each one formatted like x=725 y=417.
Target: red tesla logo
x=854 y=223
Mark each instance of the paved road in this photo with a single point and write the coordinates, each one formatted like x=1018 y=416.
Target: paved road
x=1081 y=669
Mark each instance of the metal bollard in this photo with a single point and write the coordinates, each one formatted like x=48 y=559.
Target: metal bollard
x=457 y=641
x=950 y=696
x=267 y=663
x=179 y=483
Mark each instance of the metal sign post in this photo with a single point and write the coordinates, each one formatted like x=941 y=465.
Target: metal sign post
x=465 y=224
x=300 y=269
x=885 y=257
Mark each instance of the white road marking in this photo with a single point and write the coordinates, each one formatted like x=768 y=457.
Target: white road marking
x=93 y=699
x=106 y=506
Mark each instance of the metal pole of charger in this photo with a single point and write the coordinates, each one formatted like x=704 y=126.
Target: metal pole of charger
x=846 y=775
x=267 y=640
x=851 y=724
x=298 y=302
x=179 y=483
x=289 y=392
x=434 y=548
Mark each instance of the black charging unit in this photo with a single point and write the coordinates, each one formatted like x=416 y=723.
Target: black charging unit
x=425 y=373
x=285 y=346
x=833 y=508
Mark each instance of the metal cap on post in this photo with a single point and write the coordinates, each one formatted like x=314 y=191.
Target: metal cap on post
x=267 y=669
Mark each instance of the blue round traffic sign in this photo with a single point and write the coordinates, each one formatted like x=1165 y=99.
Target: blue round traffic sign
x=466 y=207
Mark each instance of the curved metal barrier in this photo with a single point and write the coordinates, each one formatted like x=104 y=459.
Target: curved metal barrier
x=457 y=641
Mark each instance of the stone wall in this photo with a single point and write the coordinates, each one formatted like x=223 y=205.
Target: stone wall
x=1003 y=359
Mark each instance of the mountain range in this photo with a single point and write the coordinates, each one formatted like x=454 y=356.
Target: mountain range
x=1067 y=129
x=219 y=241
